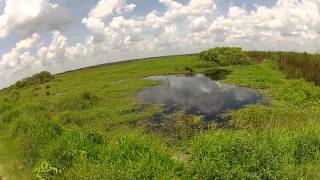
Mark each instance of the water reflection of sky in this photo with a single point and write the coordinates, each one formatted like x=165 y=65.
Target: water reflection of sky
x=198 y=95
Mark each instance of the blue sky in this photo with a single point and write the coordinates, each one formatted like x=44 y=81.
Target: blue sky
x=58 y=35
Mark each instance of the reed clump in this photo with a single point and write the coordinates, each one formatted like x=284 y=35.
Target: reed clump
x=295 y=64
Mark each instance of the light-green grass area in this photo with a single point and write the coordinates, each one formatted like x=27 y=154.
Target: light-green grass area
x=87 y=124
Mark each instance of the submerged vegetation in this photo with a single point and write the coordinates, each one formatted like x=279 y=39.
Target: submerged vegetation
x=89 y=126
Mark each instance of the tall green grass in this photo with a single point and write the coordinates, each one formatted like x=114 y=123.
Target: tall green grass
x=86 y=127
x=90 y=127
x=296 y=65
x=274 y=154
x=301 y=64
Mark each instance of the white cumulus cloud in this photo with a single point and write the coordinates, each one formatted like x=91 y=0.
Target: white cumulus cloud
x=180 y=28
x=32 y=16
x=199 y=24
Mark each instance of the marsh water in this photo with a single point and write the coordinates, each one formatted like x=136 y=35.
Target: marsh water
x=198 y=95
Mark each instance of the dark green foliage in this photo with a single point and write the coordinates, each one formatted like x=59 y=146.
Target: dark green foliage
x=38 y=78
x=225 y=56
x=260 y=56
x=47 y=93
x=188 y=69
x=9 y=115
x=217 y=74
x=89 y=96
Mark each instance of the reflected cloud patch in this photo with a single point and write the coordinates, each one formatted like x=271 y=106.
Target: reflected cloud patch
x=198 y=95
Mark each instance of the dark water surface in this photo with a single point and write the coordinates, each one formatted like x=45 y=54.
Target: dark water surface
x=198 y=95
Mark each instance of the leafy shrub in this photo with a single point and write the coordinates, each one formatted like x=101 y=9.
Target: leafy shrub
x=225 y=56
x=45 y=171
x=38 y=78
x=217 y=74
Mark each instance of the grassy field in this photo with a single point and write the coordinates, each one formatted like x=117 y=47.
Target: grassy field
x=87 y=125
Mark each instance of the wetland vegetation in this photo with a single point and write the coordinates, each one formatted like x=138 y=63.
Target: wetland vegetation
x=87 y=124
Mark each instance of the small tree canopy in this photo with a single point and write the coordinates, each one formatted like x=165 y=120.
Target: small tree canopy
x=38 y=78
x=225 y=56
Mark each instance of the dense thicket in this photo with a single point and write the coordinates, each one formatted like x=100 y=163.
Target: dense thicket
x=225 y=56
x=38 y=78
x=260 y=55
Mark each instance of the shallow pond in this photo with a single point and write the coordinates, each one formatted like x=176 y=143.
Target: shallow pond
x=198 y=95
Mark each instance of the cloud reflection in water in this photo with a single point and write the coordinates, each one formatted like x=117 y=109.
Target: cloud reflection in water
x=198 y=95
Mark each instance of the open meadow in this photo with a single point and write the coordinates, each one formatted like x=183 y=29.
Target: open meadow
x=87 y=124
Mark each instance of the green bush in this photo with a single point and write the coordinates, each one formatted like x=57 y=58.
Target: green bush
x=45 y=171
x=38 y=78
x=225 y=56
